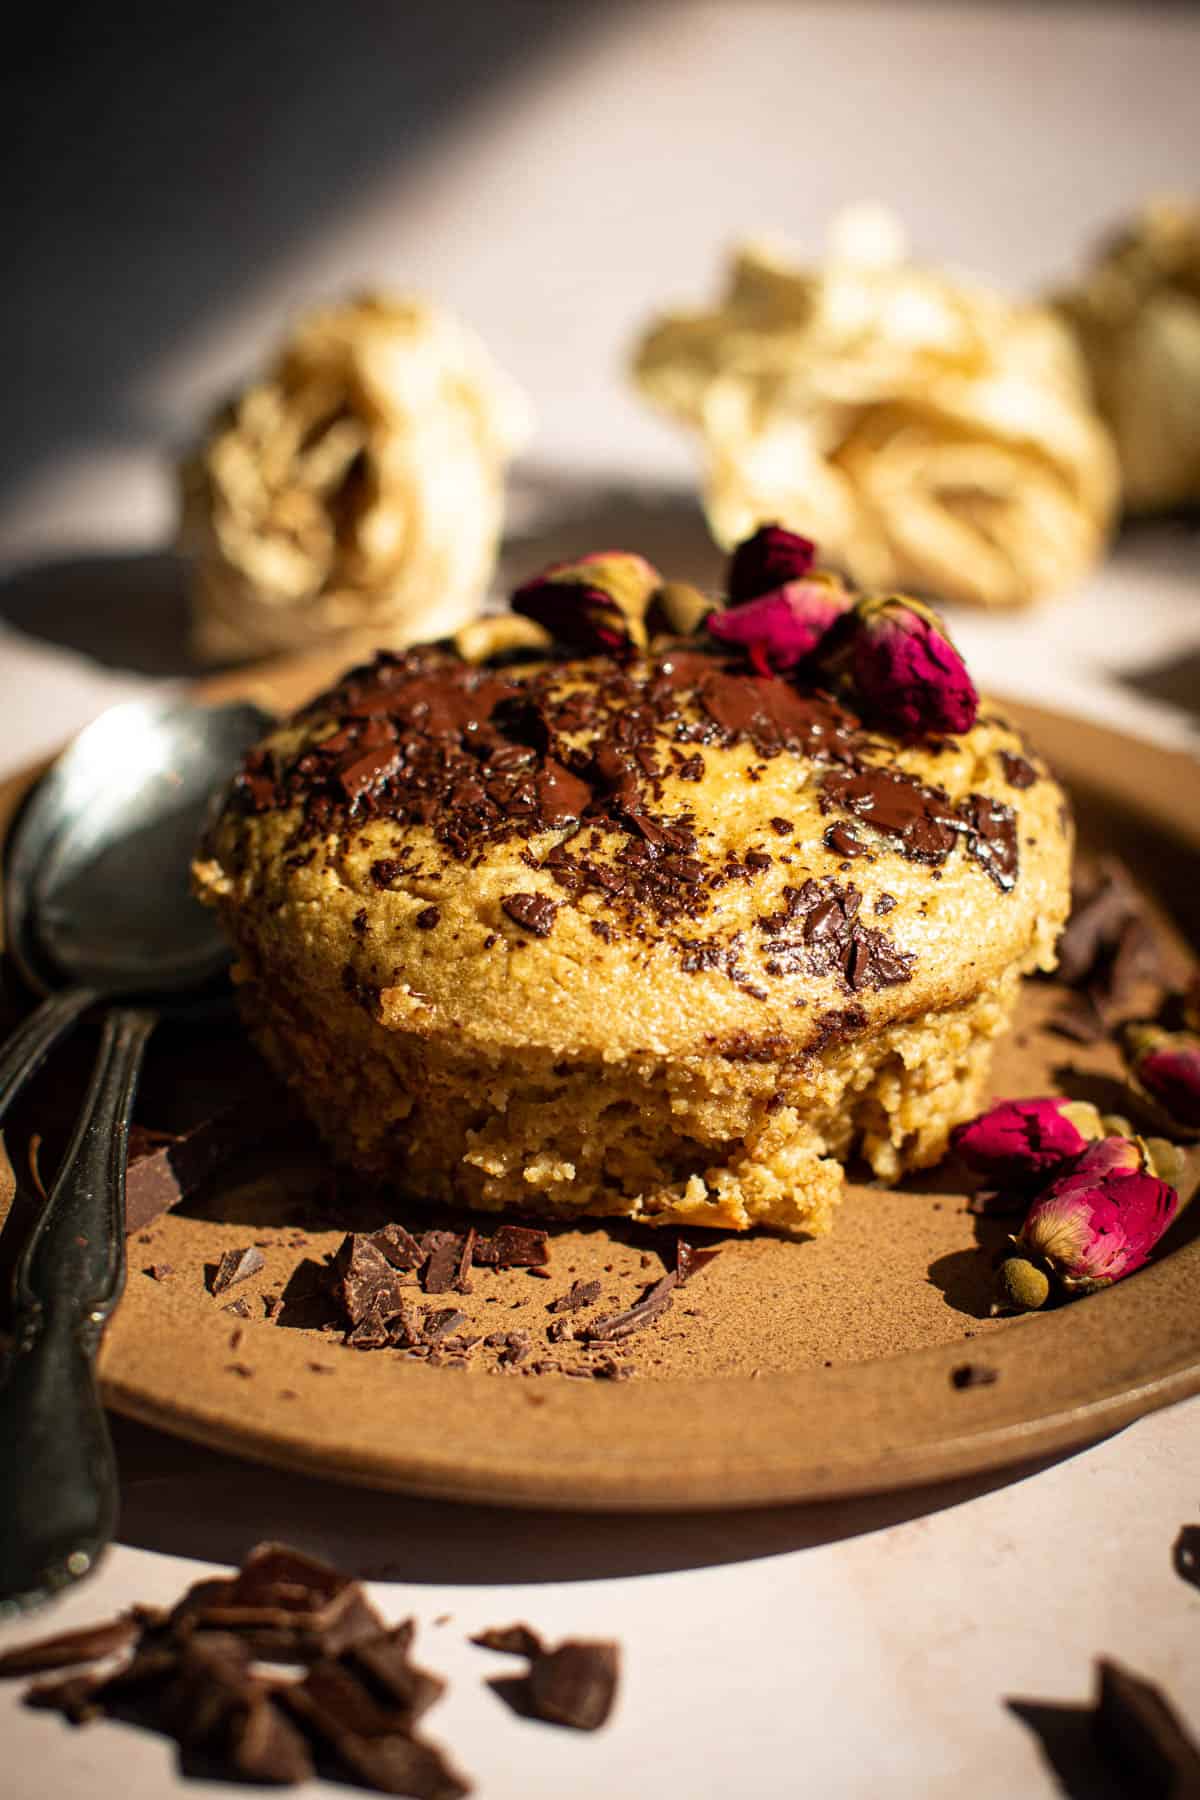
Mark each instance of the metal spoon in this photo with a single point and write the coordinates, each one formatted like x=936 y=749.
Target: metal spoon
x=97 y=910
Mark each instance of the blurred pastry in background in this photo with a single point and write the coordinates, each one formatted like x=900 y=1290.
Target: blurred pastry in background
x=356 y=491
x=934 y=435
x=1137 y=317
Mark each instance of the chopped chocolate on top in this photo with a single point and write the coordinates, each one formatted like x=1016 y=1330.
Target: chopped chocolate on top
x=925 y=823
x=533 y=912
x=1017 y=771
x=818 y=930
x=577 y=1296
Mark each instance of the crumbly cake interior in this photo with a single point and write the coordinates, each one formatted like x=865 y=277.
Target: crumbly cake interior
x=655 y=938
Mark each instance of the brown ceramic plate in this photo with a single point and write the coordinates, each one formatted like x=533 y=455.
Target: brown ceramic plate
x=784 y=1371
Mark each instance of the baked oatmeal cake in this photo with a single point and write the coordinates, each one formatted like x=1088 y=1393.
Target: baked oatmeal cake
x=638 y=925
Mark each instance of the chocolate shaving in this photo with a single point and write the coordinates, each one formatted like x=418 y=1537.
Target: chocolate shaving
x=69 y=1648
x=238 y=1308
x=1107 y=950
x=437 y=1325
x=235 y=1266
x=577 y=1296
x=653 y=1303
x=510 y=1640
x=689 y=1260
x=1135 y=1727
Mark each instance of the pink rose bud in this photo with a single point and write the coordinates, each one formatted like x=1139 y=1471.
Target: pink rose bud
x=908 y=675
x=768 y=560
x=1166 y=1068
x=595 y=603
x=1020 y=1142
x=779 y=629
x=1099 y=1222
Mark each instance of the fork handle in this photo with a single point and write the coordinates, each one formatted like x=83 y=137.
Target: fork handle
x=58 y=1476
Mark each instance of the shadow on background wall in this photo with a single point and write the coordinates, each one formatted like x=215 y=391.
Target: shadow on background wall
x=158 y=158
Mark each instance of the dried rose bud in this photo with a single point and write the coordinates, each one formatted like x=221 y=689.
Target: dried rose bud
x=906 y=672
x=779 y=629
x=595 y=603
x=1099 y=1222
x=1020 y=1142
x=1165 y=1067
x=770 y=559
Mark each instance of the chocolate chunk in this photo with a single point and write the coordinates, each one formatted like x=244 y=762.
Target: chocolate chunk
x=371 y=1333
x=653 y=1303
x=1137 y=1729
x=238 y=1308
x=369 y=1739
x=1078 y=1019
x=1017 y=772
x=513 y=1247
x=365 y=1282
x=577 y=1296
x=1185 y=1554
x=66 y=1649
x=1100 y=910
x=384 y=1665
x=575 y=1684
x=689 y=1260
x=428 y=917
x=165 y=1167
x=444 y=1251
x=971 y=1375
x=438 y=1324
x=398 y=1246
x=235 y=1266
x=841 y=840
x=160 y=1271
x=532 y=912
x=284 y=1605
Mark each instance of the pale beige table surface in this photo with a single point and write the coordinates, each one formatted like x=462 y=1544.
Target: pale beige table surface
x=833 y=1651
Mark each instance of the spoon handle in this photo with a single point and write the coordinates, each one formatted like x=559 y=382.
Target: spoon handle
x=26 y=1049
x=58 y=1477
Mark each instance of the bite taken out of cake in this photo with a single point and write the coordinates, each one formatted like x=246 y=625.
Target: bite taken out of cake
x=642 y=903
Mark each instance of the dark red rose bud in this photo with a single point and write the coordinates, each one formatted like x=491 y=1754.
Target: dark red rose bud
x=1165 y=1069
x=1101 y=1221
x=594 y=603
x=1021 y=1142
x=768 y=560
x=778 y=630
x=906 y=673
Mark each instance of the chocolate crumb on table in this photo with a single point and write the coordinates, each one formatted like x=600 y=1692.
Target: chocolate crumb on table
x=1185 y=1554
x=1142 y=1737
